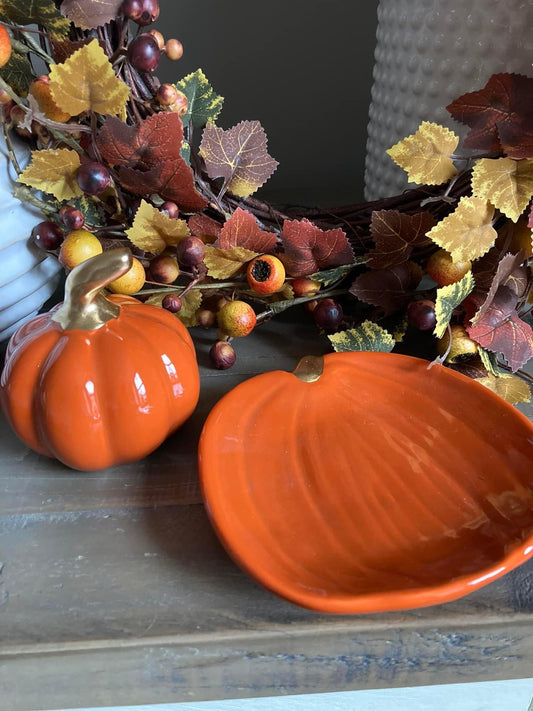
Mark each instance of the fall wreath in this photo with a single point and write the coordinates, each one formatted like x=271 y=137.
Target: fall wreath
x=119 y=158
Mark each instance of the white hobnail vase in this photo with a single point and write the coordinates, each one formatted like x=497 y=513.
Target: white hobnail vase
x=28 y=276
x=428 y=53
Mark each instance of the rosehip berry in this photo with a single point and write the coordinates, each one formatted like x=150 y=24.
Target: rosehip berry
x=421 y=315
x=303 y=286
x=164 y=269
x=206 y=318
x=170 y=209
x=142 y=12
x=77 y=247
x=443 y=270
x=144 y=53
x=131 y=282
x=265 y=274
x=328 y=315
x=172 y=303
x=71 y=217
x=236 y=319
x=222 y=355
x=173 y=49
x=158 y=38
x=5 y=46
x=167 y=94
x=93 y=178
x=191 y=251
x=47 y=235
x=181 y=104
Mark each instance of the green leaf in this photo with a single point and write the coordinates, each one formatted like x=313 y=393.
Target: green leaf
x=367 y=337
x=94 y=214
x=18 y=74
x=330 y=276
x=38 y=12
x=204 y=104
x=448 y=298
x=490 y=362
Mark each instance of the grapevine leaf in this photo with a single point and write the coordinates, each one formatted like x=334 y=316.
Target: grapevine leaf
x=331 y=276
x=86 y=82
x=517 y=139
x=425 y=155
x=509 y=274
x=17 y=73
x=89 y=14
x=243 y=230
x=507 y=183
x=388 y=288
x=226 y=263
x=468 y=232
x=504 y=100
x=190 y=303
x=63 y=49
x=204 y=104
x=309 y=249
x=448 y=299
x=92 y=211
x=54 y=171
x=369 y=336
x=395 y=235
x=207 y=229
x=172 y=180
x=501 y=330
x=239 y=155
x=38 y=12
x=510 y=387
x=152 y=230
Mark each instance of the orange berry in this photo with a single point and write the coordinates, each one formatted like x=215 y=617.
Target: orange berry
x=181 y=104
x=158 y=38
x=265 y=274
x=164 y=269
x=462 y=348
x=173 y=49
x=236 y=319
x=443 y=270
x=41 y=90
x=77 y=247
x=303 y=286
x=5 y=46
x=131 y=282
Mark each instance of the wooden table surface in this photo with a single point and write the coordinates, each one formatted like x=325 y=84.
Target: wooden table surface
x=115 y=590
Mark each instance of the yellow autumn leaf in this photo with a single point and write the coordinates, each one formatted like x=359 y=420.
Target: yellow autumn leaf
x=425 y=155
x=153 y=231
x=86 y=82
x=190 y=303
x=507 y=183
x=510 y=387
x=468 y=232
x=225 y=263
x=54 y=171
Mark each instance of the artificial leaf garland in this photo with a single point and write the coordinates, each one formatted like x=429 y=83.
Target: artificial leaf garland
x=372 y=258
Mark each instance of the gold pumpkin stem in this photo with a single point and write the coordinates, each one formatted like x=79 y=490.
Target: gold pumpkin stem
x=309 y=369
x=85 y=307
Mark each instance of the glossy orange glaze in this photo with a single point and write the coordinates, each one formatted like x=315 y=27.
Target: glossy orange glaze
x=381 y=486
x=93 y=399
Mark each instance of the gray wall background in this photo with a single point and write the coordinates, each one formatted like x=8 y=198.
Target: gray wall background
x=303 y=68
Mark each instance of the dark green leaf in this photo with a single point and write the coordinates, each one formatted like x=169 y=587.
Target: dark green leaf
x=18 y=74
x=204 y=104
x=367 y=337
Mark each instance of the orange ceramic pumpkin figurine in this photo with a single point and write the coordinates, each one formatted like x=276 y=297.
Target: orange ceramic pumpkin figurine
x=99 y=380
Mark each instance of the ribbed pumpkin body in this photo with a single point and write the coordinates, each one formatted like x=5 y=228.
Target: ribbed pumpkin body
x=94 y=399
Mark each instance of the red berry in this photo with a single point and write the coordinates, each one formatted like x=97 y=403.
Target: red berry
x=167 y=94
x=170 y=209
x=206 y=318
x=172 y=303
x=421 y=315
x=328 y=315
x=47 y=235
x=181 y=105
x=71 y=217
x=144 y=53
x=158 y=38
x=142 y=12
x=222 y=355
x=191 y=251
x=93 y=178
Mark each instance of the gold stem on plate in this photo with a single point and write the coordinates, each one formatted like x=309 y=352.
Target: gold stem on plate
x=85 y=307
x=309 y=369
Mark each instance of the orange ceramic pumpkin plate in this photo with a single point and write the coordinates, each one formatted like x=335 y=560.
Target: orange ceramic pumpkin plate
x=382 y=485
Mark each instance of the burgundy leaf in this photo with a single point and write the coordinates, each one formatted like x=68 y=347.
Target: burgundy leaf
x=89 y=14
x=205 y=228
x=508 y=274
x=242 y=230
x=308 y=249
x=505 y=99
x=395 y=235
x=517 y=139
x=390 y=289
